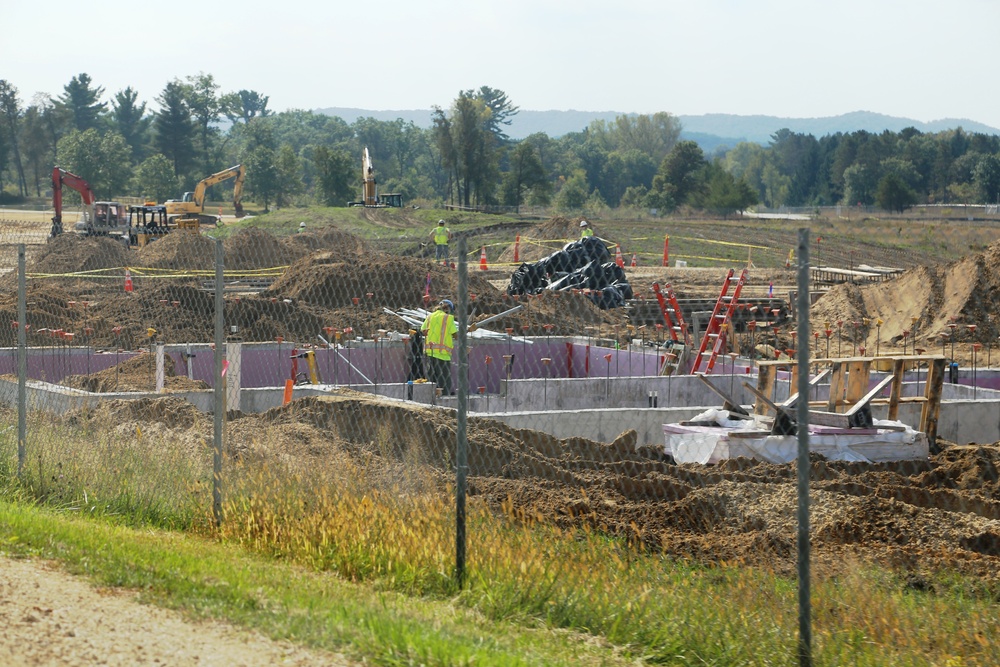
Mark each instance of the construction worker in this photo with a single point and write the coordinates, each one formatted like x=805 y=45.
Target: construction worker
x=438 y=329
x=441 y=236
x=585 y=230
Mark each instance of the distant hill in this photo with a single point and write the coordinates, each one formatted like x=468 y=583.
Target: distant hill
x=711 y=131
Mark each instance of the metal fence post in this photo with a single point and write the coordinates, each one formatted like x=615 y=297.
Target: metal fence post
x=802 y=417
x=461 y=445
x=220 y=340
x=22 y=358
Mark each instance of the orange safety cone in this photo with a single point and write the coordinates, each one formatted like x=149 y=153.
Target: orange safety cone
x=128 y=281
x=517 y=248
x=618 y=256
x=634 y=264
x=482 y=260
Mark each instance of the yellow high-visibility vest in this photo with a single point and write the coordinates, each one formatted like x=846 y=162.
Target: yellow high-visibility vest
x=587 y=231
x=441 y=235
x=438 y=329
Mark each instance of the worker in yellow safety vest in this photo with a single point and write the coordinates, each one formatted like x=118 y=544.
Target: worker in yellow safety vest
x=438 y=329
x=441 y=236
x=585 y=230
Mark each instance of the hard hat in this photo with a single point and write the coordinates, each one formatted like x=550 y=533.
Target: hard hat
x=446 y=302
x=583 y=223
x=440 y=222
x=301 y=225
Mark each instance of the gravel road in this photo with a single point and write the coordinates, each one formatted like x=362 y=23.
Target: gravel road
x=48 y=617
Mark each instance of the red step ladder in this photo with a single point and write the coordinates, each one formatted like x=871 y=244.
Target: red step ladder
x=673 y=318
x=721 y=316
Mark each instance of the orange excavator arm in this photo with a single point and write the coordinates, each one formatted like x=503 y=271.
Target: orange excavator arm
x=61 y=177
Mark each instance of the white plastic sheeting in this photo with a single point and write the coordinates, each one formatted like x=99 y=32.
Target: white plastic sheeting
x=711 y=444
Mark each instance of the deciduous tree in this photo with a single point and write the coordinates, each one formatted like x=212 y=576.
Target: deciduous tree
x=102 y=161
x=525 y=174
x=681 y=175
x=987 y=178
x=155 y=179
x=335 y=169
x=469 y=148
x=893 y=194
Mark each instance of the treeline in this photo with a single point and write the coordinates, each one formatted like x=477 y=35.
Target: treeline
x=120 y=146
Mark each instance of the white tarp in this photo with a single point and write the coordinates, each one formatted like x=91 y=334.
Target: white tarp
x=707 y=444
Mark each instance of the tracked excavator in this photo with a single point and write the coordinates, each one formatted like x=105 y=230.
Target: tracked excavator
x=188 y=212
x=370 y=197
x=100 y=218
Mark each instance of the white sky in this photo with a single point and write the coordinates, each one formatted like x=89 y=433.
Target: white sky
x=919 y=59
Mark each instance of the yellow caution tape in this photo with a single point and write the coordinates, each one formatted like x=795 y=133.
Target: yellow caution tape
x=117 y=273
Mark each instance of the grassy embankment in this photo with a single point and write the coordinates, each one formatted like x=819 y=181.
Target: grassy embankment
x=900 y=241
x=356 y=555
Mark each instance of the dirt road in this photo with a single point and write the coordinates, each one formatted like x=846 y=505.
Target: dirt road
x=48 y=617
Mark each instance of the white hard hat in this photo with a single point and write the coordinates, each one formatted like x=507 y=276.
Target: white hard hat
x=440 y=222
x=302 y=224
x=583 y=223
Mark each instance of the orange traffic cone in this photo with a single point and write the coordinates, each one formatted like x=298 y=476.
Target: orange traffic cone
x=128 y=281
x=618 y=256
x=633 y=261
x=482 y=260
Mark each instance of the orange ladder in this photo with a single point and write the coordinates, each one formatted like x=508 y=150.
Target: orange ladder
x=672 y=316
x=721 y=315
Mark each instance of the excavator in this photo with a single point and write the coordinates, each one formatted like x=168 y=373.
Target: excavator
x=370 y=198
x=188 y=212
x=100 y=218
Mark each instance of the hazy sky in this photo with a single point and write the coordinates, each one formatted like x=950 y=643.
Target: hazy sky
x=793 y=58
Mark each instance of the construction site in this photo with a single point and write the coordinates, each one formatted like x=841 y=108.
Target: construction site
x=670 y=417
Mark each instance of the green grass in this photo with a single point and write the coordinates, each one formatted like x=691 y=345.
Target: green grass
x=283 y=601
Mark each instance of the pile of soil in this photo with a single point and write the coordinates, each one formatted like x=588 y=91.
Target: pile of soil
x=923 y=302
x=342 y=244
x=178 y=250
x=135 y=374
x=328 y=280
x=254 y=248
x=918 y=516
x=73 y=253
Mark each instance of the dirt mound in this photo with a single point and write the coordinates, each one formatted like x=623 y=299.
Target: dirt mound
x=48 y=307
x=325 y=279
x=344 y=245
x=136 y=374
x=167 y=411
x=923 y=302
x=177 y=250
x=254 y=248
x=72 y=253
x=533 y=247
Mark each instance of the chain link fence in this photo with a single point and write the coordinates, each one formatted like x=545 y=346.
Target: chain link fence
x=537 y=453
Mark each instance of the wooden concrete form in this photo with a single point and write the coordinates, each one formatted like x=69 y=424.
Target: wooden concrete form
x=850 y=379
